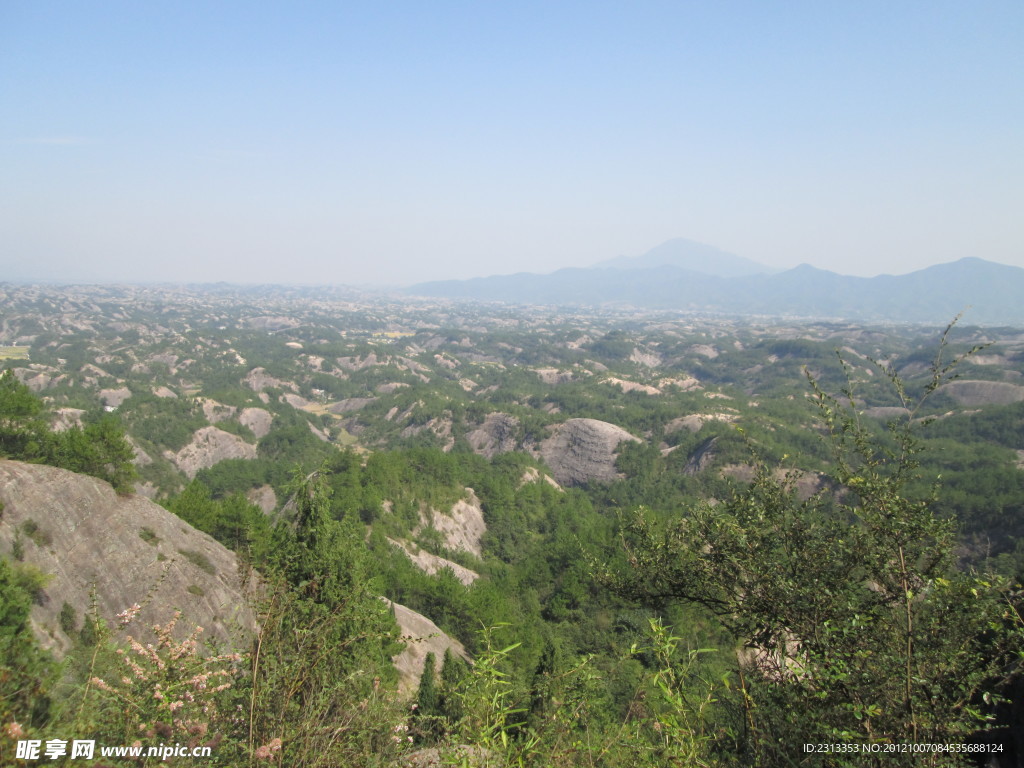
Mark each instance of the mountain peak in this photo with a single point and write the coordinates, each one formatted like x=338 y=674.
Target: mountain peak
x=692 y=256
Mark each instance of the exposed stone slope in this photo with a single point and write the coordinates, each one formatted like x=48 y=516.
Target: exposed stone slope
x=463 y=526
x=210 y=445
x=972 y=393
x=581 y=451
x=256 y=419
x=433 y=564
x=497 y=434
x=421 y=636
x=129 y=549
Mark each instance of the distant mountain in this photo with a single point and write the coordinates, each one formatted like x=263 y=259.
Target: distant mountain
x=692 y=256
x=933 y=295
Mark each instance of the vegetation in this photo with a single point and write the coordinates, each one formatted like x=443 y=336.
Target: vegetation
x=775 y=566
x=98 y=449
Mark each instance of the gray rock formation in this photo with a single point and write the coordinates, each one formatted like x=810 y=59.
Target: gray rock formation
x=462 y=527
x=581 y=451
x=702 y=457
x=256 y=419
x=972 y=393
x=123 y=549
x=112 y=398
x=258 y=379
x=210 y=445
x=433 y=564
x=421 y=636
x=351 y=404
x=497 y=434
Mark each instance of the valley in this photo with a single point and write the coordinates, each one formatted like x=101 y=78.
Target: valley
x=482 y=464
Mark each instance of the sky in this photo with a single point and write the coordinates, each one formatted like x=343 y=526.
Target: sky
x=390 y=143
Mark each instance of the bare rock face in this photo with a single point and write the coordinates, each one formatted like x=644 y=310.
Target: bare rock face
x=214 y=411
x=258 y=379
x=553 y=376
x=433 y=564
x=581 y=451
x=983 y=392
x=112 y=398
x=36 y=377
x=351 y=404
x=702 y=457
x=496 y=435
x=650 y=359
x=421 y=636
x=210 y=445
x=66 y=418
x=358 y=364
x=696 y=421
x=264 y=498
x=806 y=484
x=295 y=401
x=272 y=322
x=633 y=386
x=533 y=475
x=127 y=549
x=256 y=419
x=463 y=526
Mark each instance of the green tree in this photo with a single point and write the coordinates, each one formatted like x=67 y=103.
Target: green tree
x=100 y=449
x=23 y=431
x=25 y=670
x=852 y=619
x=322 y=658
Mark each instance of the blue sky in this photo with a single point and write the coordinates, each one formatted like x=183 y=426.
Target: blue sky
x=395 y=142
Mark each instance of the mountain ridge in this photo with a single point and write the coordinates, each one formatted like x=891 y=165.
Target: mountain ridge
x=690 y=255
x=935 y=294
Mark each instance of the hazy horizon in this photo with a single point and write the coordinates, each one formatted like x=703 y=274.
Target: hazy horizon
x=388 y=145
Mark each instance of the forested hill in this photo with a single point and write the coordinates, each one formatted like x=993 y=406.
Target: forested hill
x=636 y=525
x=931 y=295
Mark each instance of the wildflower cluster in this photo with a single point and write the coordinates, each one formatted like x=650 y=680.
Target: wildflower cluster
x=400 y=733
x=168 y=688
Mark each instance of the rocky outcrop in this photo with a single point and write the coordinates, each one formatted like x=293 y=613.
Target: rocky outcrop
x=972 y=393
x=210 y=445
x=123 y=549
x=582 y=451
x=258 y=420
x=295 y=401
x=696 y=421
x=632 y=386
x=553 y=376
x=66 y=418
x=112 y=398
x=214 y=411
x=272 y=323
x=351 y=404
x=258 y=379
x=533 y=475
x=650 y=359
x=805 y=484
x=432 y=564
x=358 y=364
x=497 y=434
x=702 y=457
x=441 y=427
x=263 y=497
x=421 y=636
x=463 y=526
